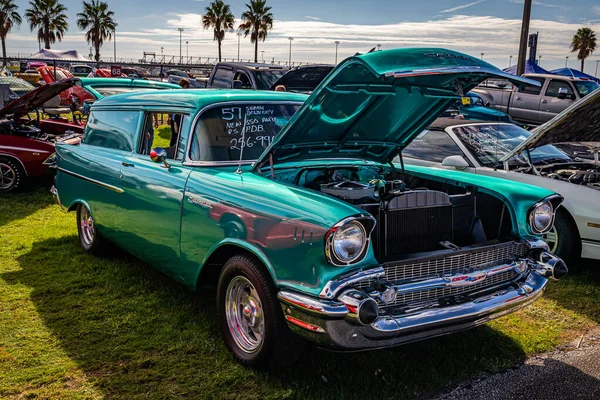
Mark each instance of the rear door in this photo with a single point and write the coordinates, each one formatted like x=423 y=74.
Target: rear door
x=222 y=77
x=551 y=104
x=525 y=102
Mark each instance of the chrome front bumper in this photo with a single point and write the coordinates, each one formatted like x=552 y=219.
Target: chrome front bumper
x=333 y=323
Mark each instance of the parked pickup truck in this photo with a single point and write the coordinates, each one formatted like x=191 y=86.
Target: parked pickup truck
x=537 y=104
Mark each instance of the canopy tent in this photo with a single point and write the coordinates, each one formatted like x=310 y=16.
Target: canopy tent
x=63 y=55
x=574 y=73
x=530 y=68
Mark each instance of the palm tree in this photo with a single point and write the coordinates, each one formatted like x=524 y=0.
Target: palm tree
x=218 y=16
x=257 y=22
x=584 y=42
x=9 y=17
x=98 y=20
x=49 y=17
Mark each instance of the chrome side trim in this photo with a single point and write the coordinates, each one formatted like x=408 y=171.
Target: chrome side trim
x=99 y=183
x=29 y=150
x=333 y=287
x=311 y=305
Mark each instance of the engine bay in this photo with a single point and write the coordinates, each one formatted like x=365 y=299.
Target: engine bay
x=585 y=174
x=29 y=129
x=413 y=215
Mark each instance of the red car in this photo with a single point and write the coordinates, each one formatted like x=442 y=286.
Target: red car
x=47 y=74
x=27 y=145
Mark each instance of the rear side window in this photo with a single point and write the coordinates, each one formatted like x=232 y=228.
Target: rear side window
x=219 y=134
x=223 y=77
x=112 y=129
x=533 y=89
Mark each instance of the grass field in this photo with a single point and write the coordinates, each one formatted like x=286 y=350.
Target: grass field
x=77 y=327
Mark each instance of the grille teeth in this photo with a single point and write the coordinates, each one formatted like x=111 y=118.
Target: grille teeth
x=455 y=262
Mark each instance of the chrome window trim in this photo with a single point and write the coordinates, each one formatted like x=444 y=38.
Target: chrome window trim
x=189 y=162
x=99 y=183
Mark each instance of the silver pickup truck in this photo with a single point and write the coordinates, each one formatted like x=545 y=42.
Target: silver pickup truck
x=533 y=104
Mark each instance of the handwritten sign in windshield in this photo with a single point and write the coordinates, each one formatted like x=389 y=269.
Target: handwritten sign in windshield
x=222 y=132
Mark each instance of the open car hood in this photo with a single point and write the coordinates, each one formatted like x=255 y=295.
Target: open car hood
x=372 y=106
x=304 y=78
x=36 y=98
x=580 y=123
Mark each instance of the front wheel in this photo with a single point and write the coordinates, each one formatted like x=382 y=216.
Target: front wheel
x=250 y=316
x=564 y=240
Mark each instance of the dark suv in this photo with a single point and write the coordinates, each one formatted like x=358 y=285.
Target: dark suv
x=246 y=75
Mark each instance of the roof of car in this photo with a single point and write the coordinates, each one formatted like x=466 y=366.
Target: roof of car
x=552 y=76
x=125 y=82
x=195 y=98
x=443 y=123
x=253 y=66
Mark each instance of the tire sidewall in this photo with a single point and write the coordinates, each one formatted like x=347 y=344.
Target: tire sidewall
x=84 y=246
x=569 y=243
x=19 y=173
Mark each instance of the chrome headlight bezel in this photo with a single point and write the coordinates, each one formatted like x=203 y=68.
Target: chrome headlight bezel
x=533 y=212
x=365 y=224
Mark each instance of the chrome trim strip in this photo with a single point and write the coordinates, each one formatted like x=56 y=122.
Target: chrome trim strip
x=333 y=287
x=29 y=150
x=85 y=178
x=189 y=162
x=311 y=305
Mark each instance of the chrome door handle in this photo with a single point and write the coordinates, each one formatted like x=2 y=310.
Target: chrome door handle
x=519 y=98
x=544 y=101
x=126 y=164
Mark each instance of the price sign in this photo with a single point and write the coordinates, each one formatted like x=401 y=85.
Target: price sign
x=115 y=71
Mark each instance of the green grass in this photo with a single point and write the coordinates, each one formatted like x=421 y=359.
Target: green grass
x=77 y=327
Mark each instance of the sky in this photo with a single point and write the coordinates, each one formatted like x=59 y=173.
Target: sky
x=491 y=27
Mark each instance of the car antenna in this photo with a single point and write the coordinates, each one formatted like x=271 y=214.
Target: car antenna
x=239 y=170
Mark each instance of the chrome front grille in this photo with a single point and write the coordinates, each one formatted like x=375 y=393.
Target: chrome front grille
x=452 y=263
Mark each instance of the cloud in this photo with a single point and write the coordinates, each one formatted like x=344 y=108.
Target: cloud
x=313 y=18
x=462 y=6
x=597 y=10
x=539 y=3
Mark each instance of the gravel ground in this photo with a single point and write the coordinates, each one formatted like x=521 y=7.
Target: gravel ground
x=572 y=372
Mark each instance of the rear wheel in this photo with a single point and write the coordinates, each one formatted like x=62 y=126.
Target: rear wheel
x=250 y=316
x=564 y=240
x=11 y=175
x=89 y=237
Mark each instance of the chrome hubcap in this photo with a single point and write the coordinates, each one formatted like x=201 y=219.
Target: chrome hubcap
x=86 y=222
x=244 y=314
x=8 y=176
x=552 y=239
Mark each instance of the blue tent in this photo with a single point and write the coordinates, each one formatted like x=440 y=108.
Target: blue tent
x=530 y=68
x=574 y=73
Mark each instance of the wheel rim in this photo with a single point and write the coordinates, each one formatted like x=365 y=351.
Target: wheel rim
x=8 y=176
x=86 y=222
x=244 y=314
x=552 y=239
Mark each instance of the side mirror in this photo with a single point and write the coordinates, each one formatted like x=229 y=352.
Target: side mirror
x=562 y=93
x=457 y=162
x=487 y=104
x=159 y=155
x=237 y=84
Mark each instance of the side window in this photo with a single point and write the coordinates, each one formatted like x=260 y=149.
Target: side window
x=224 y=133
x=242 y=77
x=112 y=129
x=554 y=88
x=223 y=77
x=432 y=146
x=533 y=89
x=164 y=129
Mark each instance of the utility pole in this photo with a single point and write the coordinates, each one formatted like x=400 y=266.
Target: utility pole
x=540 y=61
x=239 y=35
x=187 y=49
x=180 y=57
x=510 y=61
x=290 y=56
x=524 y=37
x=378 y=47
x=597 y=62
x=262 y=52
x=337 y=43
x=115 y=43
x=566 y=61
x=482 y=54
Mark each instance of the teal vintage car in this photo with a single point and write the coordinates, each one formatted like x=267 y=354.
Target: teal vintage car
x=293 y=208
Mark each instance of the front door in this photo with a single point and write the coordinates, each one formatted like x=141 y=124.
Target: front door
x=150 y=210
x=551 y=103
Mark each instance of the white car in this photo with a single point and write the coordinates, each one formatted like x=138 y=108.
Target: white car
x=561 y=155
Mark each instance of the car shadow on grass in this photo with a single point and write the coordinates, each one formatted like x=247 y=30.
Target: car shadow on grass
x=135 y=333
x=30 y=199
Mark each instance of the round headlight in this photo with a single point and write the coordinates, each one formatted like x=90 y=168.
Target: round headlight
x=541 y=218
x=349 y=241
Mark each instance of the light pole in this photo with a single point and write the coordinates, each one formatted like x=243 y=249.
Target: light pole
x=115 y=43
x=566 y=61
x=262 y=52
x=290 y=56
x=524 y=36
x=239 y=35
x=187 y=49
x=482 y=54
x=597 y=62
x=337 y=43
x=378 y=47
x=180 y=32
x=510 y=61
x=540 y=61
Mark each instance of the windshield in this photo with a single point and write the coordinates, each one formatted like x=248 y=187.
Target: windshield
x=267 y=77
x=586 y=87
x=490 y=143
